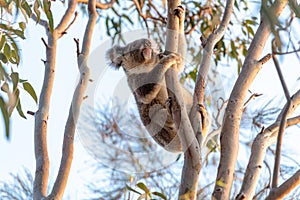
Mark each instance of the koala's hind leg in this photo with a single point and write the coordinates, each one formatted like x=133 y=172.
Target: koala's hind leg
x=205 y=120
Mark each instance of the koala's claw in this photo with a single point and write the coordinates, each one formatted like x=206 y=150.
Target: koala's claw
x=202 y=110
x=176 y=57
x=169 y=103
x=179 y=11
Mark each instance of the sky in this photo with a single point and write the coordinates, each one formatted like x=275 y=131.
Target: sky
x=18 y=152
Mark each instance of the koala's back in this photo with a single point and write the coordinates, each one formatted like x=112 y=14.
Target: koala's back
x=158 y=121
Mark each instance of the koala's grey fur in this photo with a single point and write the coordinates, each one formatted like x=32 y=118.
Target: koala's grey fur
x=145 y=68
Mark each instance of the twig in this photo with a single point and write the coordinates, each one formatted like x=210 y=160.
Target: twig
x=30 y=113
x=77 y=46
x=71 y=23
x=285 y=53
x=251 y=98
x=154 y=7
x=45 y=43
x=144 y=17
x=102 y=6
x=282 y=122
x=265 y=59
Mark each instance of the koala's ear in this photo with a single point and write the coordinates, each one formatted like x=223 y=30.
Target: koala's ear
x=115 y=56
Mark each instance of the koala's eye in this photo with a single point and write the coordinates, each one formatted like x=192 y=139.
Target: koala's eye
x=160 y=50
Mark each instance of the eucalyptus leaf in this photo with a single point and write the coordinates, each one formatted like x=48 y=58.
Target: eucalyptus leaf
x=5 y=117
x=15 y=80
x=28 y=88
x=19 y=109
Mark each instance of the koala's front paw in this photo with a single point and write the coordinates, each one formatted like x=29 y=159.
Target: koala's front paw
x=171 y=60
x=179 y=11
x=175 y=57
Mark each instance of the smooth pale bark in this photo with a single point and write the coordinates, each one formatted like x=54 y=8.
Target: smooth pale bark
x=230 y=132
x=41 y=116
x=258 y=151
x=192 y=161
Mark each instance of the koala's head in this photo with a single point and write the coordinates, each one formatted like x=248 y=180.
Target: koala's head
x=140 y=52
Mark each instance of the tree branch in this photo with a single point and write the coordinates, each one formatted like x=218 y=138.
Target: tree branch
x=78 y=96
x=229 y=138
x=41 y=117
x=102 y=6
x=67 y=17
x=285 y=188
x=282 y=121
x=258 y=150
x=198 y=98
x=190 y=146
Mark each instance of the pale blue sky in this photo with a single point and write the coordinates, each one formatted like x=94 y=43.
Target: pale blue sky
x=18 y=152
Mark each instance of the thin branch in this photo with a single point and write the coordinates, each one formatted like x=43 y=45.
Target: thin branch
x=71 y=23
x=251 y=98
x=67 y=17
x=78 y=96
x=144 y=17
x=260 y=144
x=154 y=7
x=285 y=53
x=41 y=116
x=285 y=188
x=45 y=43
x=77 y=46
x=229 y=137
x=190 y=145
x=193 y=28
x=102 y=6
x=265 y=59
x=282 y=122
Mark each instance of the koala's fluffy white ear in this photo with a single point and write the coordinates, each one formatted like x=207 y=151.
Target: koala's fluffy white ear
x=115 y=56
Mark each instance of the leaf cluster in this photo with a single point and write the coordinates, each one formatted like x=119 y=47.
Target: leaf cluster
x=11 y=31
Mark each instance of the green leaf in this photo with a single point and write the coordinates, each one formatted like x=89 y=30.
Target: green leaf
x=28 y=88
x=2 y=41
x=128 y=18
x=3 y=57
x=15 y=79
x=14 y=59
x=22 y=81
x=14 y=31
x=3 y=74
x=160 y=195
x=5 y=87
x=5 y=117
x=26 y=7
x=36 y=6
x=22 y=25
x=47 y=10
x=13 y=100
x=240 y=64
x=296 y=8
x=19 y=109
x=132 y=190
x=19 y=33
x=7 y=51
x=143 y=187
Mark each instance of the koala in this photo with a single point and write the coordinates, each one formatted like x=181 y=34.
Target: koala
x=145 y=68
